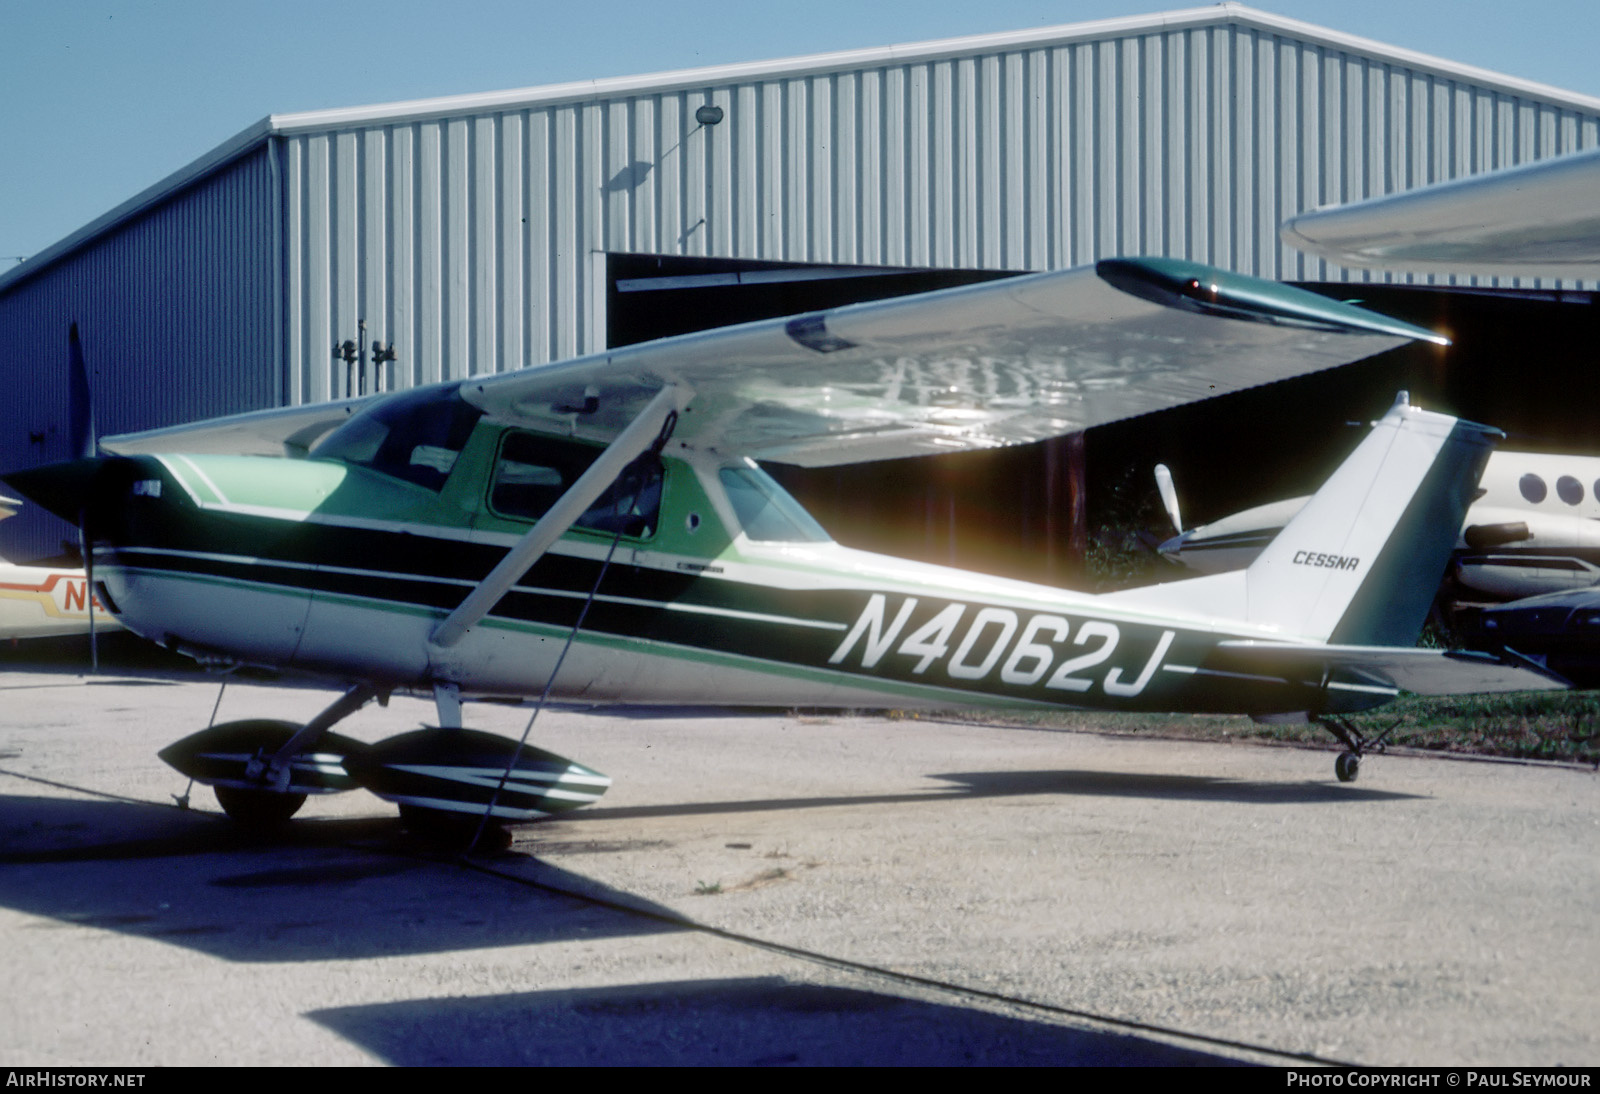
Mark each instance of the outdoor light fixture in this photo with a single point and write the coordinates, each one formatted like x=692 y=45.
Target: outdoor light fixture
x=708 y=115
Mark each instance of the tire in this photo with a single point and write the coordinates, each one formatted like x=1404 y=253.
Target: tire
x=262 y=809
x=454 y=830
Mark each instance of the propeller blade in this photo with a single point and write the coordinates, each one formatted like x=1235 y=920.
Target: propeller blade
x=1169 y=496
x=80 y=415
x=86 y=548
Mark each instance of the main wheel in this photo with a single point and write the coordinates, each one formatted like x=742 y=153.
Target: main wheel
x=455 y=830
x=1347 y=767
x=258 y=808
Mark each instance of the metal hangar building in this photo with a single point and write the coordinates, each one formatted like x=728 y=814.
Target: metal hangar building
x=495 y=231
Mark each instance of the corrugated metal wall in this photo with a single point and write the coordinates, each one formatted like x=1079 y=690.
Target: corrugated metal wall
x=176 y=310
x=473 y=242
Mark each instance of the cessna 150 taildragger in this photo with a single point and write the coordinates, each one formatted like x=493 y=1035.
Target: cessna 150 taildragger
x=599 y=530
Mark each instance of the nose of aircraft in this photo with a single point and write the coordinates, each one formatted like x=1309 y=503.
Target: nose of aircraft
x=65 y=489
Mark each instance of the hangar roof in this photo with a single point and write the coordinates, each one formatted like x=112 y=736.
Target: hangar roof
x=1223 y=14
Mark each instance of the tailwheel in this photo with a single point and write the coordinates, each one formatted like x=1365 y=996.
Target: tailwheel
x=258 y=808
x=1356 y=744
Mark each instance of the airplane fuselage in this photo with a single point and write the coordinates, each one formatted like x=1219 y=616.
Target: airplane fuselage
x=597 y=529
x=343 y=572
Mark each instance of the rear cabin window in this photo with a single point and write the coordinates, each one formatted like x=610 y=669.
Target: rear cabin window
x=766 y=511
x=533 y=471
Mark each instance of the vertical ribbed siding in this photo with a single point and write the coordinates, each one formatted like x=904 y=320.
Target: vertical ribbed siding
x=474 y=242
x=176 y=311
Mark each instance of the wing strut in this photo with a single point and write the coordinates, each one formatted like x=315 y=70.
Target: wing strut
x=640 y=434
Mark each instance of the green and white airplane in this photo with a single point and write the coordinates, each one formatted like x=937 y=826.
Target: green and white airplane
x=600 y=530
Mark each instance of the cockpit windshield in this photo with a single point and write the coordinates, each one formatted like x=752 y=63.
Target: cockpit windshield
x=765 y=510
x=414 y=437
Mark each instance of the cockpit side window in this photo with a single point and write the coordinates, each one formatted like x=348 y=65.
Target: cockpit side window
x=765 y=510
x=533 y=471
x=414 y=437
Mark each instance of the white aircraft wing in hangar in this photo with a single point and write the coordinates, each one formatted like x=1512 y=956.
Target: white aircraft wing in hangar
x=1539 y=219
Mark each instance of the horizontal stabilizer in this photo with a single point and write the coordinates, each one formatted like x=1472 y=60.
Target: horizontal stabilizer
x=1423 y=672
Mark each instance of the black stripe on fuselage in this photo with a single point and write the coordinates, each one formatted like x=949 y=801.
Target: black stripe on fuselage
x=1070 y=659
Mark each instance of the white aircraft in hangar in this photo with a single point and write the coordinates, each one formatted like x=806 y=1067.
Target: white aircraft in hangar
x=1539 y=219
x=599 y=529
x=1533 y=528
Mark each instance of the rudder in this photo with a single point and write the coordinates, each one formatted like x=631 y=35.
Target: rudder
x=1360 y=564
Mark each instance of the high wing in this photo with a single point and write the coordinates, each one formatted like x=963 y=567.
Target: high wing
x=1538 y=220
x=1003 y=363
x=1006 y=362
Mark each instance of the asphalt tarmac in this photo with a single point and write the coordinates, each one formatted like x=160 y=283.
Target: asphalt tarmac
x=787 y=889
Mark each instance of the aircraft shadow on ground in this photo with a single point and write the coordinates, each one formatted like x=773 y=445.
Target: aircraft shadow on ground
x=321 y=890
x=352 y=888
x=1000 y=784
x=743 y=1022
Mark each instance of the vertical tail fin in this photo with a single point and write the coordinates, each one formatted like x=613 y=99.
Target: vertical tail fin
x=1360 y=564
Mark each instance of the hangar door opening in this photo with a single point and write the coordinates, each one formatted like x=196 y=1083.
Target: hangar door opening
x=657 y=296
x=1011 y=511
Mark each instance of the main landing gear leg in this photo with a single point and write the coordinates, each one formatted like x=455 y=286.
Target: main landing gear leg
x=273 y=771
x=447 y=701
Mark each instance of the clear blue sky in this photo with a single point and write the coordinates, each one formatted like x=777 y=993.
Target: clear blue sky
x=101 y=98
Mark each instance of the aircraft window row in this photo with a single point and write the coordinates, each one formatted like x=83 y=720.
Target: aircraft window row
x=1568 y=489
x=532 y=472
